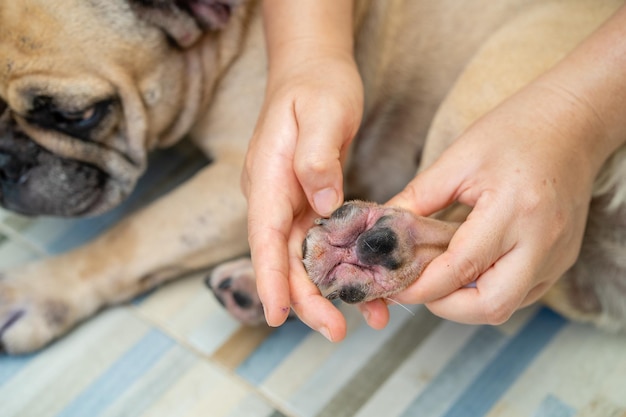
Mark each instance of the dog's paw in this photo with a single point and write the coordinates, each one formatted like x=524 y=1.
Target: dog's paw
x=31 y=317
x=234 y=285
x=366 y=251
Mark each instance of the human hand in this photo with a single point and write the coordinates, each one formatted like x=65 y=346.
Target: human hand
x=293 y=174
x=527 y=170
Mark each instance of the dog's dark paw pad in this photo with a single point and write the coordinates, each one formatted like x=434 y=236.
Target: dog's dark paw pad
x=352 y=295
x=234 y=286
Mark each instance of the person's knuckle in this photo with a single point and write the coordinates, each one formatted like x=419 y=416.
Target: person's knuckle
x=409 y=193
x=466 y=272
x=311 y=166
x=496 y=310
x=532 y=201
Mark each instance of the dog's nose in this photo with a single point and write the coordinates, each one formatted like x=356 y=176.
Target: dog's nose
x=376 y=246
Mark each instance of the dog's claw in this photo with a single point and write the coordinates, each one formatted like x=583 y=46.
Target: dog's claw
x=12 y=318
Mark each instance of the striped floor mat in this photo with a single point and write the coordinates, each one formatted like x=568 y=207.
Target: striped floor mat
x=175 y=352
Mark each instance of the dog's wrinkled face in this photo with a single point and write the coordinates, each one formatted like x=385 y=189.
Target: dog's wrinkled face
x=86 y=89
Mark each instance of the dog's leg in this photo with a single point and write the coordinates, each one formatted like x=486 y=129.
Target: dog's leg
x=198 y=224
x=201 y=223
x=515 y=55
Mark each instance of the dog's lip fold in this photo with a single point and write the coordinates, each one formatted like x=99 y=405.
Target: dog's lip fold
x=98 y=196
x=93 y=207
x=213 y=14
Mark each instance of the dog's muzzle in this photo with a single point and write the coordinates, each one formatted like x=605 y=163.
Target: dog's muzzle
x=33 y=181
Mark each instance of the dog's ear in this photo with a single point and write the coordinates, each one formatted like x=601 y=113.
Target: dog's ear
x=185 y=20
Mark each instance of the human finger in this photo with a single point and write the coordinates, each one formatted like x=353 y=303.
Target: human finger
x=306 y=300
x=267 y=237
x=432 y=189
x=375 y=313
x=498 y=293
x=477 y=245
x=271 y=190
x=323 y=137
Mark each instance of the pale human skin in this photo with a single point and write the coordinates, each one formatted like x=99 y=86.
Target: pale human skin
x=529 y=179
x=312 y=110
x=533 y=160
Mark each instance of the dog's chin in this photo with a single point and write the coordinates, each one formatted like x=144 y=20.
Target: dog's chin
x=39 y=193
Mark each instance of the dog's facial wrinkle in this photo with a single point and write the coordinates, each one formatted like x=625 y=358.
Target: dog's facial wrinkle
x=211 y=14
x=78 y=123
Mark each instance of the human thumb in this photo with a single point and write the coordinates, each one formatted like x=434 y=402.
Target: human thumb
x=431 y=190
x=318 y=163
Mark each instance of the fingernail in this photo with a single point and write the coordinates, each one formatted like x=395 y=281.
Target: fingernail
x=366 y=315
x=326 y=333
x=325 y=201
x=265 y=314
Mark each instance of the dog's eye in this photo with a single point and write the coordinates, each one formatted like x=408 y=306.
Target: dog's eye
x=77 y=123
x=83 y=120
x=78 y=117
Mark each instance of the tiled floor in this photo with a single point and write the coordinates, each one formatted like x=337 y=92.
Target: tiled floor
x=175 y=352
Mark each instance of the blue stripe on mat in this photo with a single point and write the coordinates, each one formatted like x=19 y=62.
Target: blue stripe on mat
x=458 y=373
x=506 y=367
x=11 y=365
x=273 y=351
x=553 y=407
x=105 y=390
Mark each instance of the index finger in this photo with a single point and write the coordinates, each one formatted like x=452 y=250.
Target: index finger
x=267 y=237
x=308 y=303
x=267 y=181
x=477 y=244
x=498 y=293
